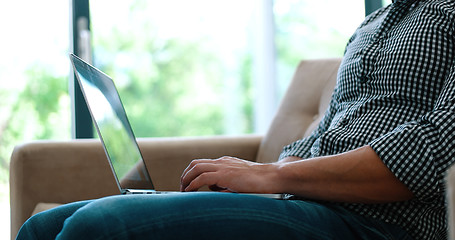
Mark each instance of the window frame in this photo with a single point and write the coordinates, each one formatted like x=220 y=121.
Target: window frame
x=81 y=121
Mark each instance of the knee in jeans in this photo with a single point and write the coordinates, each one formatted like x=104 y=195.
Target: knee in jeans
x=90 y=220
x=34 y=227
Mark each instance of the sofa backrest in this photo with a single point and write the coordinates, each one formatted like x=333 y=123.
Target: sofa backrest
x=302 y=106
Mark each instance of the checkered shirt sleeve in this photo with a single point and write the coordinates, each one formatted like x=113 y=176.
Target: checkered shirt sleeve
x=420 y=152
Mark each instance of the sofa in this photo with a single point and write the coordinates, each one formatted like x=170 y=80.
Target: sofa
x=44 y=174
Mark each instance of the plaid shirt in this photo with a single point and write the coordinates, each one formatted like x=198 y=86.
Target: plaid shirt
x=396 y=93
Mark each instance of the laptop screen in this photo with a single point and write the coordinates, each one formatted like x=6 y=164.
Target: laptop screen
x=113 y=126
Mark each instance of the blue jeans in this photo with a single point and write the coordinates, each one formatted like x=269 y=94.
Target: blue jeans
x=203 y=216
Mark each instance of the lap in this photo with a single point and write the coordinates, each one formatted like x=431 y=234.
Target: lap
x=205 y=216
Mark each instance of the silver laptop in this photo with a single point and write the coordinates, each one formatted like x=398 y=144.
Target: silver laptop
x=115 y=133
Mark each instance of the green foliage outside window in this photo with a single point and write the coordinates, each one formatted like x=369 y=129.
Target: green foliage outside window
x=39 y=111
x=161 y=93
x=170 y=86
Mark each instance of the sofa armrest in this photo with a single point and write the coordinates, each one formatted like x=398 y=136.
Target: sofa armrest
x=62 y=172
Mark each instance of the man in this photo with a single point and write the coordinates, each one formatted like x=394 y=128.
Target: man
x=373 y=169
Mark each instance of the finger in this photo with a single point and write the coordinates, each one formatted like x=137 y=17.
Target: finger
x=221 y=160
x=197 y=170
x=192 y=164
x=204 y=179
x=195 y=162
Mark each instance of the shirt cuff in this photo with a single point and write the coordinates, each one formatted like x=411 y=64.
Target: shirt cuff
x=407 y=154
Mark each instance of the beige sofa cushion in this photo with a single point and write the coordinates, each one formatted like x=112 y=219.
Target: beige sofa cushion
x=303 y=106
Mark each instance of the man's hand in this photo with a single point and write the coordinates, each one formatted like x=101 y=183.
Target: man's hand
x=229 y=174
x=357 y=176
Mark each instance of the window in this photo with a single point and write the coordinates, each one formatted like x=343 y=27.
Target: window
x=34 y=71
x=180 y=70
x=312 y=29
x=210 y=67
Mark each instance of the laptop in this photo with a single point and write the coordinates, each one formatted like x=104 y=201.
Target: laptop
x=115 y=132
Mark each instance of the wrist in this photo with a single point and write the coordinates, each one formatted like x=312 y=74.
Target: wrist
x=283 y=175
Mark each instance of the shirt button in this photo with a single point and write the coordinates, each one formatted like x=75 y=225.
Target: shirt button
x=363 y=79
